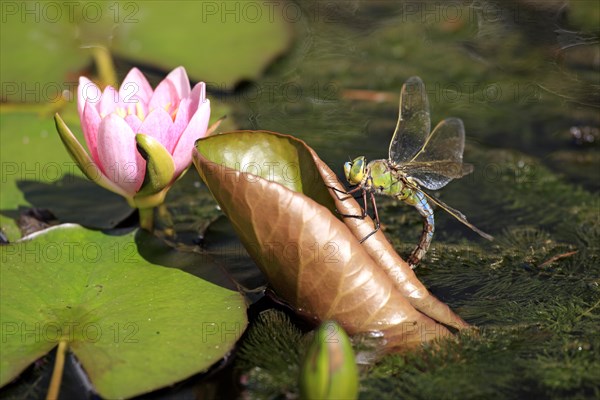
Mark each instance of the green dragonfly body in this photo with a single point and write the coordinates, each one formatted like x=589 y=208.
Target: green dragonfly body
x=417 y=157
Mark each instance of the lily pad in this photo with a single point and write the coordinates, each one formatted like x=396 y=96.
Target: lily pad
x=38 y=172
x=133 y=325
x=280 y=205
x=45 y=45
x=253 y=33
x=40 y=52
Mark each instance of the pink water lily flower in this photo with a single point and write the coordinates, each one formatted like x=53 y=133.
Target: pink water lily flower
x=140 y=140
x=173 y=114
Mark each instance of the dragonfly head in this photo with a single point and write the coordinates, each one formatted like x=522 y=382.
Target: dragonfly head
x=355 y=170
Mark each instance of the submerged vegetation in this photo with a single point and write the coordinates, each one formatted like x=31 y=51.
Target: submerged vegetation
x=537 y=309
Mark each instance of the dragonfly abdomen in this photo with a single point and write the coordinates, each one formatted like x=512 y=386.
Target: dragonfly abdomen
x=419 y=201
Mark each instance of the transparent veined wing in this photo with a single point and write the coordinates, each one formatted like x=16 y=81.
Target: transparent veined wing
x=413 y=124
x=434 y=175
x=440 y=159
x=455 y=213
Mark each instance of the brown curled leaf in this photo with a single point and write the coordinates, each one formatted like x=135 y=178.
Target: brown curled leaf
x=281 y=208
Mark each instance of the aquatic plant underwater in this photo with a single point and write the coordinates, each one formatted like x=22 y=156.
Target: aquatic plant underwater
x=256 y=273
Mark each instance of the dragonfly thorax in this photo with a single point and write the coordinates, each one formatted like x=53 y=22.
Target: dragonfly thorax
x=383 y=179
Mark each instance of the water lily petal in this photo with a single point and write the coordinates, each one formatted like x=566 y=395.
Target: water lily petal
x=82 y=159
x=178 y=77
x=197 y=96
x=134 y=122
x=164 y=97
x=182 y=120
x=119 y=158
x=135 y=89
x=195 y=130
x=87 y=92
x=157 y=125
x=90 y=122
x=109 y=102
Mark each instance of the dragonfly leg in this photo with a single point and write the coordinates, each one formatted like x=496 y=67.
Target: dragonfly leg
x=364 y=209
x=336 y=191
x=350 y=192
x=426 y=212
x=364 y=196
x=376 y=214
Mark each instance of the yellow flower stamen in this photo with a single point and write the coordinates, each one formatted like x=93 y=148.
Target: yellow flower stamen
x=173 y=113
x=139 y=111
x=121 y=112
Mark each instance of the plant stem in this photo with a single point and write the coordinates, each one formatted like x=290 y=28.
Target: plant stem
x=105 y=65
x=147 y=218
x=57 y=373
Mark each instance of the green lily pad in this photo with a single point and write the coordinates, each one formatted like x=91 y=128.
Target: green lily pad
x=46 y=45
x=38 y=172
x=40 y=52
x=218 y=42
x=133 y=325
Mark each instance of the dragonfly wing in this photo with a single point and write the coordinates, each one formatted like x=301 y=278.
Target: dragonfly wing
x=434 y=175
x=446 y=142
x=413 y=124
x=456 y=214
x=440 y=159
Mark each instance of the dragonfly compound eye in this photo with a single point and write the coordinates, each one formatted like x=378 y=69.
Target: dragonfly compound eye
x=347 y=169
x=355 y=171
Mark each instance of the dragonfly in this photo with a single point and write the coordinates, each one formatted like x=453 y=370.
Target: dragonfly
x=418 y=158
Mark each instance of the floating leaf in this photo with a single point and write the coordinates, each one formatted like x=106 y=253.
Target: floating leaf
x=39 y=50
x=133 y=325
x=281 y=208
x=198 y=33
x=46 y=45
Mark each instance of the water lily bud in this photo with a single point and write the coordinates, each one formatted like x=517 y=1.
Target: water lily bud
x=329 y=369
x=139 y=140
